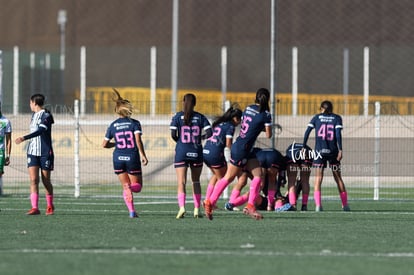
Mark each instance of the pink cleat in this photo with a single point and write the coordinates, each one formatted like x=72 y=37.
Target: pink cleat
x=250 y=210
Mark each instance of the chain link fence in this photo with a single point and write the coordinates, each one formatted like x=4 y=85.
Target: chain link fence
x=378 y=152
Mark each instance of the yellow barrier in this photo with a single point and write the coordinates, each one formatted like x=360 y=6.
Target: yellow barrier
x=209 y=102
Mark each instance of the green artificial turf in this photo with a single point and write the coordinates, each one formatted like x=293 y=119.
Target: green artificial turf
x=96 y=236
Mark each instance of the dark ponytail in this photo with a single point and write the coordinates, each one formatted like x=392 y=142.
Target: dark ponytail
x=262 y=98
x=189 y=101
x=233 y=111
x=39 y=100
x=327 y=107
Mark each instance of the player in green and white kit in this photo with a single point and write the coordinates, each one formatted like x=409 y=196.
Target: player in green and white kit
x=5 y=146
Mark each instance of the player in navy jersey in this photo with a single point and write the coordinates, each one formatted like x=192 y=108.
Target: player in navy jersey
x=188 y=128
x=328 y=148
x=298 y=170
x=39 y=153
x=5 y=145
x=216 y=152
x=255 y=119
x=129 y=151
x=273 y=165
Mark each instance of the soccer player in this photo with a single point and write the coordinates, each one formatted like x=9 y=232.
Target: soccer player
x=328 y=148
x=298 y=170
x=188 y=128
x=255 y=119
x=129 y=151
x=5 y=146
x=272 y=163
x=40 y=154
x=216 y=151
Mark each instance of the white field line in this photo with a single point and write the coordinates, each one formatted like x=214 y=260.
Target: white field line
x=246 y=251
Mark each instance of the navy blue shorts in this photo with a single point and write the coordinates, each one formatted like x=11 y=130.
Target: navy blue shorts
x=44 y=162
x=130 y=164
x=186 y=159
x=214 y=161
x=239 y=158
x=321 y=162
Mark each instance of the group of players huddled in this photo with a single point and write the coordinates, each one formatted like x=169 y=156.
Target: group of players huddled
x=266 y=168
x=200 y=143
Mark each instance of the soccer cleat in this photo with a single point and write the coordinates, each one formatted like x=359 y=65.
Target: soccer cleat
x=196 y=213
x=33 y=211
x=229 y=206
x=318 y=209
x=304 y=207
x=133 y=214
x=50 y=210
x=346 y=208
x=250 y=210
x=208 y=209
x=180 y=213
x=292 y=208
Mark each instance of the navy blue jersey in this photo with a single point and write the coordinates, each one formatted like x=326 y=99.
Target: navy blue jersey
x=252 y=124
x=269 y=158
x=328 y=128
x=188 y=146
x=123 y=131
x=213 y=151
x=40 y=134
x=126 y=156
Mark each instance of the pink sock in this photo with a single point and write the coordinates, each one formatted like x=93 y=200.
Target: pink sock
x=49 y=200
x=34 y=199
x=129 y=200
x=254 y=190
x=209 y=190
x=218 y=190
x=271 y=197
x=181 y=199
x=197 y=200
x=305 y=198
x=317 y=197
x=234 y=195
x=344 y=198
x=239 y=200
x=136 y=187
x=292 y=198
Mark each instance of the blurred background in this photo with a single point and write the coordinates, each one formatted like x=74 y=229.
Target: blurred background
x=329 y=35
